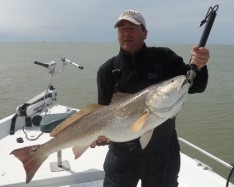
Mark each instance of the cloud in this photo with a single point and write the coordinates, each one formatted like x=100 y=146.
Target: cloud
x=93 y=20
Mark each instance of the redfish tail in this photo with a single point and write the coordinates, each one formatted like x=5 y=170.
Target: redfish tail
x=31 y=160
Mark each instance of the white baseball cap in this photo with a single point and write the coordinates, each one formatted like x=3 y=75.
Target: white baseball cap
x=132 y=16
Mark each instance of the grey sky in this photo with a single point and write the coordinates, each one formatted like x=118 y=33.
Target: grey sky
x=167 y=21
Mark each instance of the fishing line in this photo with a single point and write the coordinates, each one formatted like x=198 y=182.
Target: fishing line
x=31 y=139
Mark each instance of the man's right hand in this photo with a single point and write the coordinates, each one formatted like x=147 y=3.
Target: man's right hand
x=101 y=141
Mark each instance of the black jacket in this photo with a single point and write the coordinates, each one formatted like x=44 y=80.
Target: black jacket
x=149 y=66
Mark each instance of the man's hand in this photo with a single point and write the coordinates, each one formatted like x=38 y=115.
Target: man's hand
x=101 y=141
x=199 y=56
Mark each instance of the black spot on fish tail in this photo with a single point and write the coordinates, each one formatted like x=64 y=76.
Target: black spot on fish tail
x=30 y=160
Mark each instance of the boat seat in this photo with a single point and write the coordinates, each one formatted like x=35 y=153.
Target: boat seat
x=50 y=121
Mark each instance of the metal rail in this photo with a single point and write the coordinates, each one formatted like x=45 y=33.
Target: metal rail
x=206 y=153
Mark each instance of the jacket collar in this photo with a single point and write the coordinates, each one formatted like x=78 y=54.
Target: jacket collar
x=129 y=57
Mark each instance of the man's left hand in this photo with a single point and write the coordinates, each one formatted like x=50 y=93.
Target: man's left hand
x=199 y=56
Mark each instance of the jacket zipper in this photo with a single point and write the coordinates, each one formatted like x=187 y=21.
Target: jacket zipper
x=134 y=66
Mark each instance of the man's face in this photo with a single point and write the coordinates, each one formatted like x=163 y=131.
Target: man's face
x=130 y=36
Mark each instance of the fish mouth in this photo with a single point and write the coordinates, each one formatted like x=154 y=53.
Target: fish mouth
x=185 y=82
x=184 y=85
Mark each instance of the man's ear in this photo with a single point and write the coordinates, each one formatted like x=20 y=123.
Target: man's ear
x=145 y=34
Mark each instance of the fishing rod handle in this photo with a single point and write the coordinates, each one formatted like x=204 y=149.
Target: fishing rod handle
x=207 y=29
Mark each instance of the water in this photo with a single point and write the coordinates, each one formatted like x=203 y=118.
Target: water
x=207 y=119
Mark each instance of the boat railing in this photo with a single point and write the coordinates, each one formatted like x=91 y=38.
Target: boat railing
x=208 y=161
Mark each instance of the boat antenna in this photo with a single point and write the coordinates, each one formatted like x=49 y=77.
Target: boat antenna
x=209 y=20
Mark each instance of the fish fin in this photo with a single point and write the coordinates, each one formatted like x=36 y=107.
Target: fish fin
x=145 y=138
x=75 y=117
x=139 y=124
x=119 y=96
x=31 y=162
x=78 y=151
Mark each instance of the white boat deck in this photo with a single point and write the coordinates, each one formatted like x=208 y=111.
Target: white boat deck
x=87 y=171
x=87 y=168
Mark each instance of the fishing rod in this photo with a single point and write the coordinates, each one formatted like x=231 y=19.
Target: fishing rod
x=209 y=20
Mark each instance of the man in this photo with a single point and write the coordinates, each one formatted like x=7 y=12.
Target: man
x=133 y=69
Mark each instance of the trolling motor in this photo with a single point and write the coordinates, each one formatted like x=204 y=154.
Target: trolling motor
x=209 y=20
x=39 y=102
x=42 y=100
